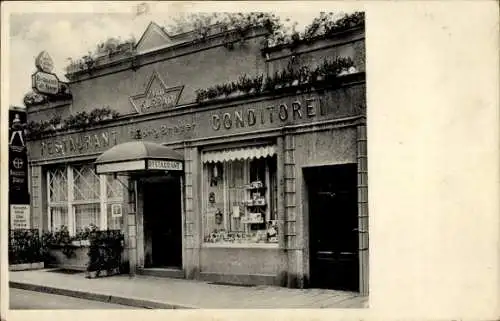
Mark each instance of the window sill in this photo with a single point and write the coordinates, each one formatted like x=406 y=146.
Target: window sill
x=241 y=245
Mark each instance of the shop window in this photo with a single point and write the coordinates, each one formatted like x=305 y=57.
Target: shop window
x=240 y=200
x=79 y=198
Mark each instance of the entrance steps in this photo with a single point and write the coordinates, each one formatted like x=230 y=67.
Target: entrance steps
x=162 y=272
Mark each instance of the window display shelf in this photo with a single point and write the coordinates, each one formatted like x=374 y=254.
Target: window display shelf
x=250 y=188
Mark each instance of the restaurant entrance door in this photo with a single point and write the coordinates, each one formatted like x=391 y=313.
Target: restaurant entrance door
x=162 y=223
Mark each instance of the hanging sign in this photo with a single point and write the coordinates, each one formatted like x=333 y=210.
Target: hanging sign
x=44 y=62
x=45 y=83
x=19 y=216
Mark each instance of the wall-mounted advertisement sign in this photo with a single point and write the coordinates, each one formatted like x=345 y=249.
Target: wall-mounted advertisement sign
x=44 y=62
x=45 y=83
x=116 y=210
x=18 y=159
x=18 y=170
x=20 y=216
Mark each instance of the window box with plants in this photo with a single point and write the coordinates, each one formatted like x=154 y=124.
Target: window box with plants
x=63 y=250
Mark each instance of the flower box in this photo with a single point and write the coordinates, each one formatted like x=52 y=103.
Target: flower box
x=76 y=258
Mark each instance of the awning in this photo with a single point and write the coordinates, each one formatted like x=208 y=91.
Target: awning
x=227 y=155
x=138 y=156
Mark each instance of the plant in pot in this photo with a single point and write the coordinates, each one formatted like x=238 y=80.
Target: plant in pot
x=24 y=249
x=104 y=253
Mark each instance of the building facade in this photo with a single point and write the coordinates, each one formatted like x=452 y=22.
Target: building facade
x=256 y=187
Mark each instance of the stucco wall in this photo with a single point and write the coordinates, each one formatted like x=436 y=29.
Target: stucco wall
x=334 y=146
x=311 y=57
x=241 y=261
x=197 y=70
x=197 y=67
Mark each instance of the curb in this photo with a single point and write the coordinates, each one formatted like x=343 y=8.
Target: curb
x=138 y=303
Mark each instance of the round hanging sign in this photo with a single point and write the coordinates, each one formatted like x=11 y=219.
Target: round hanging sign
x=44 y=62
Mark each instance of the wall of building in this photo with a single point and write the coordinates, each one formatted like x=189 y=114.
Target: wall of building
x=330 y=147
x=49 y=111
x=242 y=265
x=196 y=70
x=350 y=45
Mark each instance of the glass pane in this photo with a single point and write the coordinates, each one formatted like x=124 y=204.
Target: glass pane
x=115 y=220
x=59 y=217
x=58 y=185
x=87 y=185
x=237 y=200
x=114 y=187
x=86 y=215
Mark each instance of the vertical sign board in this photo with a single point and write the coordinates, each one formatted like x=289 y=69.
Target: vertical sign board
x=18 y=171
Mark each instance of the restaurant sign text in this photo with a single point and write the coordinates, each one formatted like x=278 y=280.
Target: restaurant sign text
x=81 y=143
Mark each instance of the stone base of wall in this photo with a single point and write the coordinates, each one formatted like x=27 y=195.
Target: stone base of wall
x=239 y=279
x=26 y=266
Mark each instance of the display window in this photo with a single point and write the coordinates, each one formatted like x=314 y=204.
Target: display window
x=78 y=198
x=240 y=198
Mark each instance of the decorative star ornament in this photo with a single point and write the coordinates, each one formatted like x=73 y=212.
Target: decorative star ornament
x=156 y=97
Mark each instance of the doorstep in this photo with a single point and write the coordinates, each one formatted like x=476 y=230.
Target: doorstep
x=162 y=272
x=168 y=293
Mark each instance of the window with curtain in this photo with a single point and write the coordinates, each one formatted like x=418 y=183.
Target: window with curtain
x=240 y=200
x=57 y=198
x=87 y=197
x=78 y=198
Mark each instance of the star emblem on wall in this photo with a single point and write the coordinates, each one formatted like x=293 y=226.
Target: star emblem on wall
x=156 y=96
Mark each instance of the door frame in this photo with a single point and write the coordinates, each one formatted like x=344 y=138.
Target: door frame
x=141 y=181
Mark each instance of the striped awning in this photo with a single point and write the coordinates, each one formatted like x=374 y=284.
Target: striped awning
x=227 y=155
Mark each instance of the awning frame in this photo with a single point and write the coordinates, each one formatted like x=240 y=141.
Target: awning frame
x=143 y=157
x=232 y=154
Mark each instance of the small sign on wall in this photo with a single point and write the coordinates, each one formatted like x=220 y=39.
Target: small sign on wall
x=19 y=216
x=116 y=210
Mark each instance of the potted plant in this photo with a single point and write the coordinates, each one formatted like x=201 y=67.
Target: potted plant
x=104 y=254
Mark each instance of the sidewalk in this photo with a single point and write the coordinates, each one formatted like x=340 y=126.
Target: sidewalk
x=167 y=293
